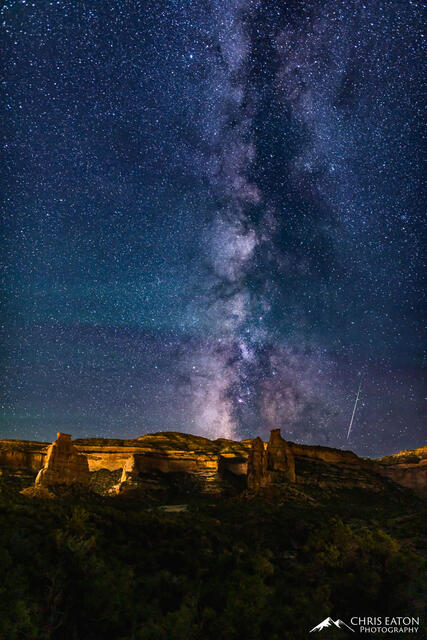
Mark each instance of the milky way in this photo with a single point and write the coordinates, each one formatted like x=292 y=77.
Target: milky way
x=213 y=217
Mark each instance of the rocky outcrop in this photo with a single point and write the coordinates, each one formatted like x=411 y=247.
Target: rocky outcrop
x=271 y=465
x=130 y=470
x=280 y=457
x=407 y=468
x=208 y=466
x=22 y=455
x=167 y=452
x=37 y=492
x=412 y=476
x=257 y=466
x=205 y=461
x=335 y=476
x=63 y=464
x=232 y=463
x=326 y=454
x=129 y=477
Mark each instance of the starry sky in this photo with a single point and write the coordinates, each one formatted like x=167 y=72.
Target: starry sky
x=213 y=216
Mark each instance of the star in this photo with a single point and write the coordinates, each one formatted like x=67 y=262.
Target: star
x=213 y=220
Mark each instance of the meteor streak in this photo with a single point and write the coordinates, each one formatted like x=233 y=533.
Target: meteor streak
x=354 y=411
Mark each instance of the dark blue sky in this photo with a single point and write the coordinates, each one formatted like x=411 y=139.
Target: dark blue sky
x=213 y=215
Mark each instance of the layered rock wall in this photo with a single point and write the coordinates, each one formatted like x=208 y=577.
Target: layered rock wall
x=327 y=454
x=22 y=455
x=412 y=476
x=212 y=463
x=407 y=468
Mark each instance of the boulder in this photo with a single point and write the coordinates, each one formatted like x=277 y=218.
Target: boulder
x=63 y=464
x=37 y=492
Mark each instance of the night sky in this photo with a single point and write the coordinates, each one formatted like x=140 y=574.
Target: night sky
x=213 y=215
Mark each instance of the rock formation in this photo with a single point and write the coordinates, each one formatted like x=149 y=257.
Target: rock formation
x=22 y=454
x=193 y=463
x=63 y=464
x=279 y=456
x=257 y=465
x=129 y=477
x=407 y=468
x=272 y=465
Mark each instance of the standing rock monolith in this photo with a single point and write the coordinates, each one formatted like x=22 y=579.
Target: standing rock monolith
x=257 y=465
x=279 y=455
x=63 y=464
x=271 y=466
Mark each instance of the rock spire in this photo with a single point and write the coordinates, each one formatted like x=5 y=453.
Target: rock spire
x=63 y=464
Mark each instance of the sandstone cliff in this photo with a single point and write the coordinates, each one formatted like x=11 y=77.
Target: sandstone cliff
x=210 y=464
x=407 y=468
x=22 y=454
x=213 y=467
x=280 y=457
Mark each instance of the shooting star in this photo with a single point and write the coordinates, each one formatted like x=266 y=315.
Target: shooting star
x=354 y=411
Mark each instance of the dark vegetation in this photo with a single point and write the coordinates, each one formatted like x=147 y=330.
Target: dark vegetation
x=84 y=567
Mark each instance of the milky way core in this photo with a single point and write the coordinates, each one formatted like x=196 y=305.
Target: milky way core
x=213 y=216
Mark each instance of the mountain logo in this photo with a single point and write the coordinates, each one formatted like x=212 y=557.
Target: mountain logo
x=328 y=622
